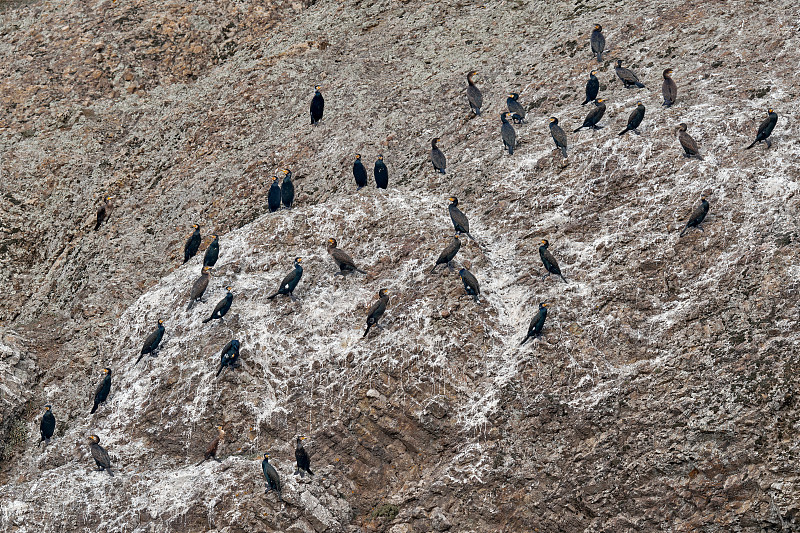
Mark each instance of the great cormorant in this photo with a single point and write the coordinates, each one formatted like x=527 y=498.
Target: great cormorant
x=199 y=287
x=152 y=341
x=697 y=217
x=459 y=219
x=103 y=212
x=192 y=244
x=343 y=260
x=274 y=196
x=474 y=94
x=359 y=172
x=272 y=481
x=287 y=189
x=212 y=252
x=669 y=89
x=515 y=108
x=765 y=129
x=627 y=76
x=376 y=310
x=549 y=262
x=213 y=446
x=381 y=173
x=229 y=356
x=290 y=281
x=634 y=120
x=100 y=455
x=102 y=390
x=598 y=42
x=508 y=134
x=471 y=286
x=437 y=156
x=689 y=144
x=559 y=136
x=592 y=87
x=448 y=253
x=303 y=461
x=48 y=425
x=594 y=116
x=222 y=307
x=537 y=323
x=317 y=106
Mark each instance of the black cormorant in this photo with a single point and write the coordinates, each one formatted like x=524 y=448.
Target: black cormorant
x=697 y=217
x=213 y=446
x=303 y=461
x=192 y=244
x=515 y=108
x=102 y=390
x=100 y=455
x=689 y=144
x=376 y=310
x=152 y=341
x=437 y=156
x=229 y=356
x=592 y=87
x=381 y=173
x=594 y=115
x=537 y=323
x=549 y=262
x=598 y=42
x=448 y=253
x=634 y=120
x=359 y=172
x=287 y=189
x=103 y=212
x=222 y=307
x=317 y=105
x=274 y=195
x=459 y=219
x=474 y=94
x=765 y=129
x=471 y=286
x=508 y=134
x=290 y=281
x=559 y=136
x=199 y=287
x=48 y=425
x=627 y=76
x=212 y=252
x=669 y=89
x=273 y=482
x=343 y=261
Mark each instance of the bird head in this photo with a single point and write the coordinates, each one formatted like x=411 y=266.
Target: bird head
x=214 y=236
x=639 y=103
x=206 y=270
x=332 y=242
x=592 y=73
x=266 y=456
x=285 y=171
x=382 y=293
x=298 y=260
x=598 y=27
x=456 y=236
x=94 y=438
x=229 y=288
x=358 y=156
x=453 y=200
x=160 y=321
x=47 y=407
x=769 y=111
x=553 y=120
x=380 y=157
x=667 y=72
x=317 y=87
x=545 y=242
x=619 y=62
x=106 y=371
x=543 y=304
x=109 y=197
x=682 y=126
x=274 y=178
x=195 y=226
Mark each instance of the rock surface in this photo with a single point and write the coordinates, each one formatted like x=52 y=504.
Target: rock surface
x=662 y=395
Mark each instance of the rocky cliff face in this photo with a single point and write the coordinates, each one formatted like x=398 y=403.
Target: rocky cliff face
x=662 y=395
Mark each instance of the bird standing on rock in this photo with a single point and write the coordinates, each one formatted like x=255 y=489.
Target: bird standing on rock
x=359 y=172
x=697 y=217
x=342 y=260
x=222 y=307
x=459 y=219
x=273 y=481
x=508 y=134
x=627 y=76
x=765 y=129
x=212 y=252
x=537 y=323
x=291 y=280
x=301 y=456
x=101 y=393
x=381 y=173
x=229 y=356
x=669 y=89
x=317 y=106
x=594 y=116
x=100 y=455
x=437 y=156
x=474 y=94
x=103 y=212
x=274 y=196
x=549 y=262
x=151 y=342
x=634 y=120
x=598 y=42
x=287 y=189
x=515 y=108
x=471 y=286
x=192 y=244
x=376 y=310
x=592 y=87
x=48 y=425
x=448 y=253
x=213 y=447
x=690 y=147
x=199 y=287
x=559 y=136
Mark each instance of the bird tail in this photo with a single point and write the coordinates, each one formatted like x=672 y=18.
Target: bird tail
x=564 y=151
x=209 y=319
x=220 y=369
x=517 y=118
x=562 y=277
x=191 y=304
x=97 y=226
x=667 y=103
x=525 y=340
x=577 y=130
x=359 y=270
x=137 y=361
x=754 y=143
x=110 y=473
x=684 y=231
x=599 y=57
x=310 y=473
x=273 y=296
x=640 y=85
x=95 y=406
x=623 y=132
x=201 y=462
x=585 y=102
x=434 y=268
x=369 y=325
x=510 y=150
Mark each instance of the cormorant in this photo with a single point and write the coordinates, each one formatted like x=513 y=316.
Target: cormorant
x=437 y=157
x=598 y=42
x=592 y=87
x=303 y=461
x=594 y=115
x=317 y=106
x=199 y=287
x=474 y=94
x=343 y=261
x=376 y=310
x=689 y=145
x=559 y=137
x=448 y=253
x=274 y=196
x=102 y=390
x=47 y=426
x=508 y=134
x=287 y=189
x=212 y=252
x=515 y=108
x=634 y=120
x=549 y=262
x=100 y=455
x=273 y=482
x=103 y=211
x=151 y=342
x=669 y=89
x=628 y=78
x=471 y=286
x=697 y=217
x=765 y=129
x=537 y=323
x=229 y=356
x=211 y=451
x=460 y=222
x=290 y=281
x=359 y=172
x=381 y=173
x=192 y=244
x=222 y=307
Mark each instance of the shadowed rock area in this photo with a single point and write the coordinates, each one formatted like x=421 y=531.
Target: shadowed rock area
x=662 y=395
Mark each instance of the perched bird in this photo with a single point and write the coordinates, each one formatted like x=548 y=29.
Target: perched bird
x=291 y=280
x=669 y=89
x=199 y=287
x=437 y=157
x=594 y=116
x=151 y=342
x=376 y=310
x=100 y=455
x=515 y=108
x=103 y=211
x=102 y=390
x=212 y=252
x=343 y=261
x=549 y=262
x=48 y=425
x=592 y=87
x=508 y=134
x=598 y=42
x=537 y=323
x=192 y=244
x=474 y=94
x=359 y=172
x=211 y=451
x=697 y=217
x=317 y=106
x=273 y=482
x=628 y=78
x=634 y=119
x=222 y=307
x=381 y=173
x=689 y=145
x=448 y=253
x=303 y=461
x=765 y=129
x=459 y=219
x=274 y=196
x=559 y=137
x=287 y=189
x=229 y=356
x=471 y=286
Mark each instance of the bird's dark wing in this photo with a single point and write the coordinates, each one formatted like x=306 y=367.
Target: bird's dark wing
x=100 y=456
x=341 y=258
